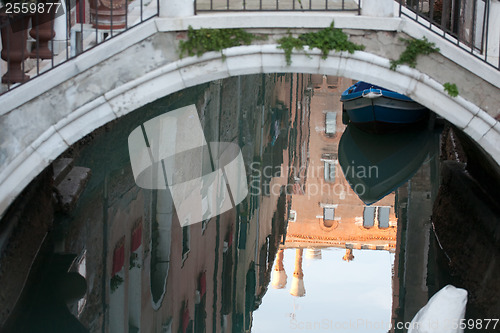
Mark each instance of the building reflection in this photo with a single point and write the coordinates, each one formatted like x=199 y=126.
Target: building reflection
x=326 y=212
x=210 y=276
x=387 y=212
x=144 y=272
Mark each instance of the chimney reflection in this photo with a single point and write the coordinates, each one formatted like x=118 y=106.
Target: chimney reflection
x=279 y=277
x=348 y=256
x=314 y=254
x=298 y=289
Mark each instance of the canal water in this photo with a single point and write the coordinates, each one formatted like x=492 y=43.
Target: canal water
x=246 y=205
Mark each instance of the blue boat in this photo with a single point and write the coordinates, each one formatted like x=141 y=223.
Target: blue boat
x=376 y=109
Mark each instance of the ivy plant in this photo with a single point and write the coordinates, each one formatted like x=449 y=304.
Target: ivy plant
x=288 y=43
x=451 y=89
x=115 y=282
x=204 y=40
x=326 y=40
x=414 y=47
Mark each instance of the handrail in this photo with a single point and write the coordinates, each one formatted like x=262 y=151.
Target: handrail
x=44 y=35
x=210 y=6
x=466 y=26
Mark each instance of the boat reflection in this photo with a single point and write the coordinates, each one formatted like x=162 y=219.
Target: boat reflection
x=377 y=164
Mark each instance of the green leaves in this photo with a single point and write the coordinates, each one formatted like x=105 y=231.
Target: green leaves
x=330 y=39
x=115 y=282
x=414 y=47
x=451 y=89
x=205 y=40
x=326 y=40
x=288 y=43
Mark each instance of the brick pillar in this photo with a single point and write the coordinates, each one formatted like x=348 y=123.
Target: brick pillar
x=176 y=8
x=60 y=26
x=494 y=33
x=379 y=8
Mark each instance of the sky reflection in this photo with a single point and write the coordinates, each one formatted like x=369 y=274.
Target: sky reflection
x=337 y=293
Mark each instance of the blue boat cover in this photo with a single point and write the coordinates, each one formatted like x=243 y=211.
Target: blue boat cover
x=361 y=85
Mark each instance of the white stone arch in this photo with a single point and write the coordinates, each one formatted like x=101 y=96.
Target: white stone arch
x=242 y=60
x=474 y=121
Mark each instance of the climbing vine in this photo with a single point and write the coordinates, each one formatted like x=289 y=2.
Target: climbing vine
x=326 y=40
x=115 y=282
x=451 y=89
x=204 y=40
x=288 y=43
x=414 y=47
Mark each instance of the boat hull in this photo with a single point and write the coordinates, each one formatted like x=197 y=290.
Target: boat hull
x=378 y=109
x=384 y=110
x=393 y=158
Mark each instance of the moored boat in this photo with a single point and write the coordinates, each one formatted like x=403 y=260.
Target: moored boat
x=376 y=109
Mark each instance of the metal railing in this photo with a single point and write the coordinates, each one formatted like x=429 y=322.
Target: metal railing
x=463 y=23
x=63 y=31
x=277 y=5
x=39 y=35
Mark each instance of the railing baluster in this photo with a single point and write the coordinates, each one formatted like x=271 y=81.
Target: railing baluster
x=444 y=13
x=141 y=11
x=126 y=12
x=96 y=22
x=417 y=10
x=474 y=8
x=80 y=42
x=8 y=55
x=452 y=19
x=431 y=13
x=37 y=42
x=52 y=48
x=68 y=24
x=487 y=19
x=111 y=18
x=457 y=19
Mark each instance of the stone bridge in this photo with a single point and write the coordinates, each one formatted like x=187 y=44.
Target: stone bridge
x=42 y=118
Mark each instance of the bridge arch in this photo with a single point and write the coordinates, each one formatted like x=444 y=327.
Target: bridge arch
x=243 y=60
